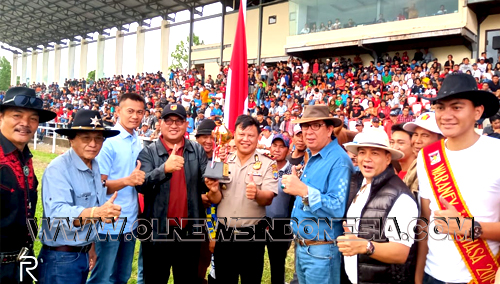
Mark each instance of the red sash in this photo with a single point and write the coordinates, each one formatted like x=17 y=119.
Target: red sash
x=476 y=254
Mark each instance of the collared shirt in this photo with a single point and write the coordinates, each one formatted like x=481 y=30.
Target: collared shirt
x=68 y=187
x=16 y=171
x=327 y=175
x=117 y=159
x=280 y=208
x=234 y=202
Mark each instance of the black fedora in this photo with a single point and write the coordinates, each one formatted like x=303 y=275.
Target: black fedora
x=22 y=97
x=87 y=120
x=464 y=86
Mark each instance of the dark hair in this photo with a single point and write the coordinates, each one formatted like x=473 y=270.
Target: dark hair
x=494 y=118
x=246 y=121
x=132 y=96
x=399 y=127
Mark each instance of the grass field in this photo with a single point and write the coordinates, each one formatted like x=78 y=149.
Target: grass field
x=42 y=159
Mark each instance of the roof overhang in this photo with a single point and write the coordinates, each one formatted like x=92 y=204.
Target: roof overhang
x=393 y=40
x=29 y=23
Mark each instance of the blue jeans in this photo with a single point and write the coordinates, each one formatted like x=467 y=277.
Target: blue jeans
x=57 y=267
x=318 y=264
x=140 y=268
x=114 y=259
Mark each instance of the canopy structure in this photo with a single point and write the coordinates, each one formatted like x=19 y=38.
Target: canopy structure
x=29 y=23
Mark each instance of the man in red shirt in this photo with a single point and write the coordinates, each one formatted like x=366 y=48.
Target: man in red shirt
x=173 y=189
x=401 y=140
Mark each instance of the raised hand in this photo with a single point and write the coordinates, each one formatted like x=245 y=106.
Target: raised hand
x=174 y=162
x=450 y=226
x=109 y=211
x=293 y=185
x=251 y=190
x=212 y=184
x=137 y=177
x=349 y=244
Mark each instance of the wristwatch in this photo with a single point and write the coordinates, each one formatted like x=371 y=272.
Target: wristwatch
x=104 y=183
x=305 y=200
x=370 y=248
x=477 y=230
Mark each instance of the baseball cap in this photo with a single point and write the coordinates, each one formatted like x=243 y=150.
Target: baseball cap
x=267 y=128
x=297 y=129
x=145 y=124
x=359 y=122
x=393 y=113
x=285 y=140
x=175 y=109
x=426 y=120
x=375 y=119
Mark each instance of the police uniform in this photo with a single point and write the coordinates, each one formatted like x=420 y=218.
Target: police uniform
x=246 y=258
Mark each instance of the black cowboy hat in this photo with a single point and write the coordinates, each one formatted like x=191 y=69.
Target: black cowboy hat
x=87 y=120
x=464 y=86
x=22 y=97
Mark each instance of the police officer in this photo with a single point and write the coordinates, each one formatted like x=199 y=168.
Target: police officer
x=252 y=185
x=20 y=115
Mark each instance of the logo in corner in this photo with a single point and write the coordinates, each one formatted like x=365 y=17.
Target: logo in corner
x=173 y=107
x=434 y=157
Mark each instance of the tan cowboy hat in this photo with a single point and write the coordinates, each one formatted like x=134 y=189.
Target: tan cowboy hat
x=317 y=112
x=374 y=138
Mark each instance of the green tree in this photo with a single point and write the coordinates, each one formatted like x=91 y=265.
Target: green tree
x=91 y=75
x=181 y=54
x=5 y=69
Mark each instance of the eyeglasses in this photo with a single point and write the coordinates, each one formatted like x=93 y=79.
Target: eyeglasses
x=22 y=101
x=87 y=139
x=178 y=122
x=313 y=126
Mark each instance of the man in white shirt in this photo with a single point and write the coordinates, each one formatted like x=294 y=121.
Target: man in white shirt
x=371 y=257
x=467 y=164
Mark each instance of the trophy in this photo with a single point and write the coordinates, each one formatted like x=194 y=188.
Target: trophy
x=219 y=169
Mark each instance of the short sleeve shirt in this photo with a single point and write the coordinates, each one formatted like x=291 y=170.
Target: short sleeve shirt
x=234 y=202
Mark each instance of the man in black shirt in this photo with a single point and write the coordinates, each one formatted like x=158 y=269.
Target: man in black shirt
x=357 y=110
x=261 y=120
x=264 y=109
x=20 y=114
x=494 y=84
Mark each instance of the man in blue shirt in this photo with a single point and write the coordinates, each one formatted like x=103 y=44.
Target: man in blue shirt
x=119 y=172
x=72 y=192
x=321 y=194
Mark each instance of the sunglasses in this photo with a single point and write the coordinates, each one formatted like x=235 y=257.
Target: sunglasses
x=22 y=101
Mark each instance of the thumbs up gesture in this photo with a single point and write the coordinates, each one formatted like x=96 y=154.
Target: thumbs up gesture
x=349 y=244
x=450 y=226
x=174 y=162
x=137 y=176
x=251 y=188
x=292 y=185
x=109 y=210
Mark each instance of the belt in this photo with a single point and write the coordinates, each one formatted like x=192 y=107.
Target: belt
x=303 y=242
x=8 y=257
x=83 y=249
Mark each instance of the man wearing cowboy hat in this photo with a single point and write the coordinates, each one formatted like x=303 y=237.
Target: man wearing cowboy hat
x=72 y=193
x=467 y=163
x=378 y=194
x=321 y=192
x=20 y=114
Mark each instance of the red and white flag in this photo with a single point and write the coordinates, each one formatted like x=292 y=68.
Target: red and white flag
x=237 y=78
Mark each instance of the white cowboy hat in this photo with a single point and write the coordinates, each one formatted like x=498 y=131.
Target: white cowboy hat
x=374 y=138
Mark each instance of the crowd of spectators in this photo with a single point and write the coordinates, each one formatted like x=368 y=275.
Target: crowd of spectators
x=360 y=93
x=410 y=12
